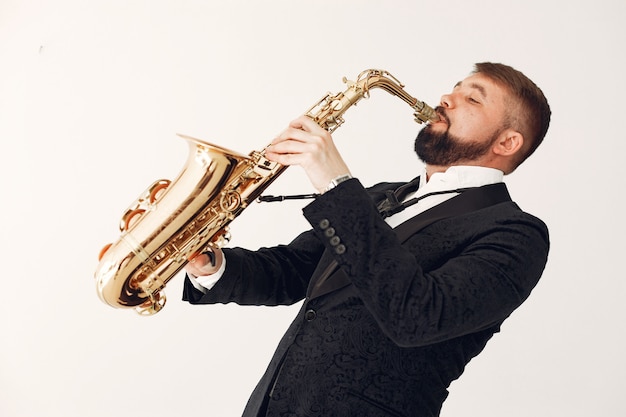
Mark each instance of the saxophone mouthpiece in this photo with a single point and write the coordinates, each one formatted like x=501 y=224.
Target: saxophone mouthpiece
x=424 y=113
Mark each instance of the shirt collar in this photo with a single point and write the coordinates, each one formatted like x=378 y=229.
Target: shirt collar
x=460 y=176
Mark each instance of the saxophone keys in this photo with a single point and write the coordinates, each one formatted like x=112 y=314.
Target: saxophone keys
x=130 y=218
x=157 y=190
x=104 y=249
x=152 y=305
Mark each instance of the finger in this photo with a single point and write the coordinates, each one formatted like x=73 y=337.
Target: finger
x=290 y=146
x=201 y=264
x=307 y=124
x=285 y=159
x=299 y=123
x=291 y=133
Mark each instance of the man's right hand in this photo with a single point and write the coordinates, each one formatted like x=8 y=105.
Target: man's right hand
x=206 y=263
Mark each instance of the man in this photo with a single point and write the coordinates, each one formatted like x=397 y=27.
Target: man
x=395 y=307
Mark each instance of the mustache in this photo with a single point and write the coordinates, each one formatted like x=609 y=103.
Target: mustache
x=441 y=112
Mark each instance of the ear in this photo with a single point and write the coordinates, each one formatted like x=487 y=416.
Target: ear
x=509 y=142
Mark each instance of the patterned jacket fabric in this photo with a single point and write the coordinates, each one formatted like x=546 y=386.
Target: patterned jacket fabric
x=413 y=315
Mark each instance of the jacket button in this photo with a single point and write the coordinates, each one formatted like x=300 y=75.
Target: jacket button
x=330 y=232
x=334 y=241
x=324 y=223
x=340 y=249
x=310 y=315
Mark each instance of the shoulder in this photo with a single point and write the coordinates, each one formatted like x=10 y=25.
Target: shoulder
x=514 y=226
x=511 y=211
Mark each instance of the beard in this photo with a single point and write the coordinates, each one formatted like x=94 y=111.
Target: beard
x=444 y=149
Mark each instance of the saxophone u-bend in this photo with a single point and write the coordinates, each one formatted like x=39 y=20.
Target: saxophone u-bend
x=172 y=221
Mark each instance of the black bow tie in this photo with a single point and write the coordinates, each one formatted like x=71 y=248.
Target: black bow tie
x=392 y=203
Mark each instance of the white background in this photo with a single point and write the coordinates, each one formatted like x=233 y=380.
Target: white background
x=92 y=94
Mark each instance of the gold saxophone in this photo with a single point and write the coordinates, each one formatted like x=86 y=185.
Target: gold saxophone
x=172 y=221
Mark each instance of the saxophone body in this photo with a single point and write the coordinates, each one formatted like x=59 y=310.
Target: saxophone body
x=172 y=221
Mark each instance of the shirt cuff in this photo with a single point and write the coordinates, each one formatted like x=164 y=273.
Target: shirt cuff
x=205 y=282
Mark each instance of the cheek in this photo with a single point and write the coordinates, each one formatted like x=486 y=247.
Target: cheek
x=471 y=127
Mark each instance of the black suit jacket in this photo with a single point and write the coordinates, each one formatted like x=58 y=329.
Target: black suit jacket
x=414 y=312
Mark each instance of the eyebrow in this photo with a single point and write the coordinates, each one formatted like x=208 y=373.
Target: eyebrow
x=481 y=89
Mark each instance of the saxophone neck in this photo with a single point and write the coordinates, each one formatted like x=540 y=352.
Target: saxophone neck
x=383 y=79
x=328 y=111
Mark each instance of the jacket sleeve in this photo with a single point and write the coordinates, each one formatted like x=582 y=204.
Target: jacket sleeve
x=268 y=276
x=487 y=273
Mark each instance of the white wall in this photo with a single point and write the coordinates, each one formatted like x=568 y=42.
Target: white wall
x=92 y=94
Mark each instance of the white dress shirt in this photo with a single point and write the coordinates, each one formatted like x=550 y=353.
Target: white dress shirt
x=462 y=176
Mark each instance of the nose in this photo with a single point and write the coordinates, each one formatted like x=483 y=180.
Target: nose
x=446 y=101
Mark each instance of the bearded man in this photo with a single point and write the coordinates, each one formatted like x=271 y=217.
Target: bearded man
x=401 y=284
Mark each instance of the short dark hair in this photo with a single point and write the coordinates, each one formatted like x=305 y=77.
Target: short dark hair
x=531 y=115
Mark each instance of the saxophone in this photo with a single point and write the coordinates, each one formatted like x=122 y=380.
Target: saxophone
x=172 y=221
